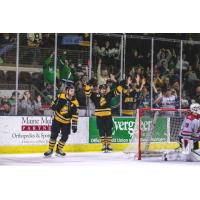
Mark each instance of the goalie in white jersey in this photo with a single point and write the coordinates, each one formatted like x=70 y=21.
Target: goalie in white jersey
x=189 y=134
x=191 y=124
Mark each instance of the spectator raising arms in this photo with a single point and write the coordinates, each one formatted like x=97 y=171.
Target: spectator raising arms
x=102 y=74
x=34 y=39
x=48 y=69
x=163 y=56
x=168 y=99
x=129 y=99
x=144 y=100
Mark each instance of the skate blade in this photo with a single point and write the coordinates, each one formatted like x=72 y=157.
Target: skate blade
x=107 y=151
x=60 y=156
x=49 y=156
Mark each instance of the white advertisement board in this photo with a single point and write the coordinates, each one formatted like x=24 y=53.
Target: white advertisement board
x=35 y=130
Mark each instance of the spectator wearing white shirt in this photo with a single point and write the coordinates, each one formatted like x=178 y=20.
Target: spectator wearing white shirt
x=185 y=63
x=29 y=106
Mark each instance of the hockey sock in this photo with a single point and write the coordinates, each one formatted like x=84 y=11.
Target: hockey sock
x=61 y=145
x=196 y=145
x=103 y=140
x=51 y=144
x=109 y=140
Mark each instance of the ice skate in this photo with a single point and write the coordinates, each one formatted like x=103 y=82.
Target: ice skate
x=48 y=153
x=109 y=148
x=104 y=149
x=60 y=153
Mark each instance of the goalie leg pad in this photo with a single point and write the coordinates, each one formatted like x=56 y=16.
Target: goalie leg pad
x=187 y=146
x=172 y=156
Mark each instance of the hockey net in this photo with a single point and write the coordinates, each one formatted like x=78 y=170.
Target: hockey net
x=155 y=131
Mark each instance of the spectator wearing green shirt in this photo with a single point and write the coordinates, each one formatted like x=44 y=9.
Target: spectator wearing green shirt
x=48 y=70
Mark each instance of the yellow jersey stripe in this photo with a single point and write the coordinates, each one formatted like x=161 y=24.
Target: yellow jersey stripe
x=62 y=121
x=103 y=109
x=103 y=114
x=59 y=115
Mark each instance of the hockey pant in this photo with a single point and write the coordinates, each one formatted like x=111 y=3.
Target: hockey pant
x=56 y=128
x=105 y=124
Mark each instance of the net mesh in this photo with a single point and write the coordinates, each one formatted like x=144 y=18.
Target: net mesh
x=159 y=131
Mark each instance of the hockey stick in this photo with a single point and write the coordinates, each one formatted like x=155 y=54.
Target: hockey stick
x=180 y=145
x=193 y=151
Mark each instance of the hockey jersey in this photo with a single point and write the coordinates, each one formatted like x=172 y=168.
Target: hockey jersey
x=129 y=101
x=190 y=126
x=66 y=111
x=102 y=102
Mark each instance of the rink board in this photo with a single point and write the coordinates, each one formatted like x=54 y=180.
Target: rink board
x=30 y=134
x=36 y=130
x=80 y=148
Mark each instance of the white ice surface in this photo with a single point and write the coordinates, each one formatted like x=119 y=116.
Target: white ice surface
x=85 y=159
x=97 y=176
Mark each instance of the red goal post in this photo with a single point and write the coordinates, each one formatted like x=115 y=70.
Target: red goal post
x=153 y=113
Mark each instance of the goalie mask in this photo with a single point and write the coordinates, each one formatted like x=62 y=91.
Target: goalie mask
x=195 y=108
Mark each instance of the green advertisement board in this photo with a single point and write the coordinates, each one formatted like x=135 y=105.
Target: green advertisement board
x=123 y=129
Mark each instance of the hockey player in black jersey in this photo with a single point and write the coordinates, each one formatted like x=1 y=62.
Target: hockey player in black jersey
x=102 y=102
x=65 y=118
x=129 y=100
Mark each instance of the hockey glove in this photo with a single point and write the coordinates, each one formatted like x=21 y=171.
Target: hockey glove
x=53 y=105
x=74 y=129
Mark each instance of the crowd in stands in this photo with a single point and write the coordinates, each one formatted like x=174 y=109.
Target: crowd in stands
x=166 y=75
x=26 y=104
x=105 y=70
x=109 y=53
